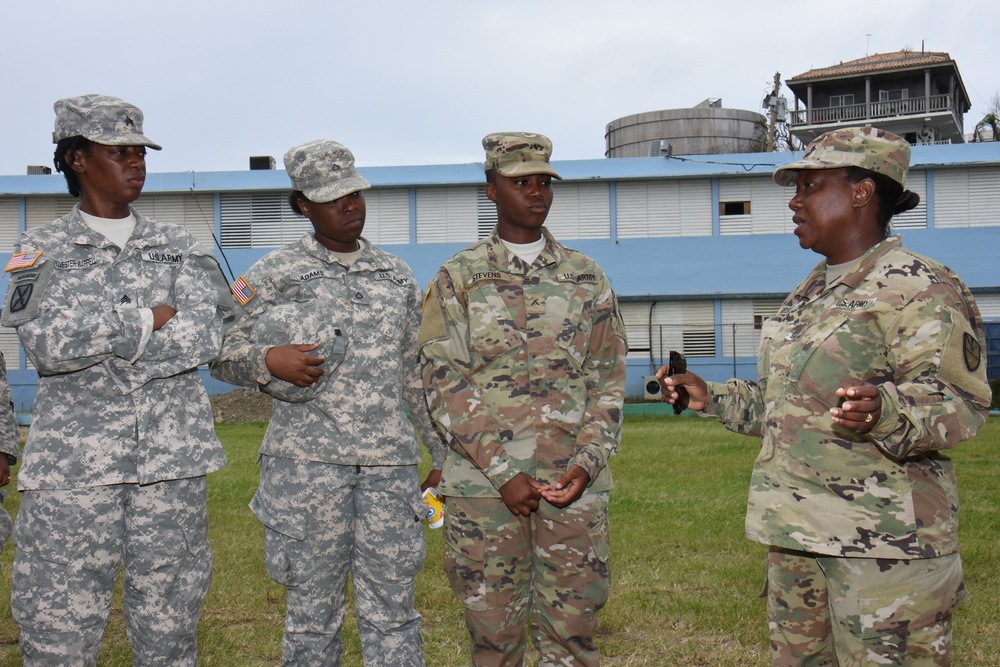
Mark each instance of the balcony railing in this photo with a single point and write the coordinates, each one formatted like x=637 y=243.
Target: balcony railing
x=913 y=106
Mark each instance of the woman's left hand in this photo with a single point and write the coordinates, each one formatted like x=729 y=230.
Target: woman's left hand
x=860 y=408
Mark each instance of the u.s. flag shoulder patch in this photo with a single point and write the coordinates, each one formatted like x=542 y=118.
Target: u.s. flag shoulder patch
x=23 y=260
x=242 y=291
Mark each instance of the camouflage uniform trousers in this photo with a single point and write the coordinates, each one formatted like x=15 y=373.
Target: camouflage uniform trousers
x=552 y=565
x=323 y=521
x=853 y=612
x=69 y=546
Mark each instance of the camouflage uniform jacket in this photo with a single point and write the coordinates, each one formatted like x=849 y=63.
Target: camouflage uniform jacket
x=524 y=367
x=10 y=432
x=359 y=418
x=906 y=324
x=117 y=402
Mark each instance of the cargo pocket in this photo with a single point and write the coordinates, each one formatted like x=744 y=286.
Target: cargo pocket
x=284 y=530
x=894 y=617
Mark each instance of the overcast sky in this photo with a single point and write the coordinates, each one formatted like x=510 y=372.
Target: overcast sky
x=421 y=82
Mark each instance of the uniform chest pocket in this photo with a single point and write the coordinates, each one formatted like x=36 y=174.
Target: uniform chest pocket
x=493 y=329
x=845 y=347
x=571 y=313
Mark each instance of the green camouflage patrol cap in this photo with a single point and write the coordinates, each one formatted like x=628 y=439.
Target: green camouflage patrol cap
x=102 y=119
x=519 y=154
x=866 y=147
x=323 y=170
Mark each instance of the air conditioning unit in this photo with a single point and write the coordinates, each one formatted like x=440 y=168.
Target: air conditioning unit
x=258 y=162
x=38 y=170
x=651 y=388
x=660 y=148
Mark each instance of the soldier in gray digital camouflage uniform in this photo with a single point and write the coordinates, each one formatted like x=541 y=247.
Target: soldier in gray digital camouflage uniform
x=116 y=312
x=10 y=447
x=872 y=368
x=524 y=369
x=330 y=330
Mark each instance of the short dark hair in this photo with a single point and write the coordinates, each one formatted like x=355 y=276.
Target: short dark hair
x=892 y=198
x=67 y=147
x=293 y=200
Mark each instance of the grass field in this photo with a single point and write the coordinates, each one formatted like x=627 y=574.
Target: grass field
x=686 y=582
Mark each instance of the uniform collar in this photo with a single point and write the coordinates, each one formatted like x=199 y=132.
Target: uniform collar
x=370 y=259
x=498 y=254
x=144 y=235
x=815 y=282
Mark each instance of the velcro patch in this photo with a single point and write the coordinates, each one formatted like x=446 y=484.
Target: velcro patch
x=972 y=351
x=578 y=277
x=22 y=260
x=485 y=275
x=242 y=291
x=163 y=257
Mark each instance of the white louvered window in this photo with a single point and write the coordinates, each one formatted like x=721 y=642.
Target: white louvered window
x=967 y=197
x=580 y=211
x=989 y=305
x=486 y=214
x=635 y=315
x=447 y=214
x=699 y=328
x=10 y=346
x=9 y=223
x=196 y=212
x=259 y=220
x=387 y=220
x=663 y=208
x=915 y=218
x=43 y=210
x=765 y=206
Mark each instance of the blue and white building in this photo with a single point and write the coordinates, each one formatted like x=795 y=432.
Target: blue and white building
x=699 y=249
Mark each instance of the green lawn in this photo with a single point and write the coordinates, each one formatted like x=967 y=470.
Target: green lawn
x=685 y=580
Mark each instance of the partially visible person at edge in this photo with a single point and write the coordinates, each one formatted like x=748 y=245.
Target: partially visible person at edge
x=330 y=330
x=524 y=369
x=872 y=368
x=116 y=312
x=10 y=447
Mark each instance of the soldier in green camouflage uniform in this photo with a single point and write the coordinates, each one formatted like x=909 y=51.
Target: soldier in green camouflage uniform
x=329 y=330
x=116 y=312
x=870 y=370
x=524 y=369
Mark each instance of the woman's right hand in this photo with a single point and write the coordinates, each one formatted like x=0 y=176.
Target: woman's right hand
x=696 y=388
x=291 y=364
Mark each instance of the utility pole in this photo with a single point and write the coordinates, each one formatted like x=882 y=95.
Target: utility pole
x=773 y=103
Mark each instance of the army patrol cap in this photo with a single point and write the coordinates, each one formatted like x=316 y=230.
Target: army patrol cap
x=323 y=170
x=301 y=323
x=102 y=119
x=866 y=147
x=519 y=154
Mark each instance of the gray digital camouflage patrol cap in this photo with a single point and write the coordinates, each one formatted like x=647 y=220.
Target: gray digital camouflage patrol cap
x=323 y=170
x=519 y=154
x=866 y=147
x=301 y=323
x=102 y=119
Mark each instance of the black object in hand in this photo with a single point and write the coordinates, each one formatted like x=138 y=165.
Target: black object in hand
x=678 y=364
